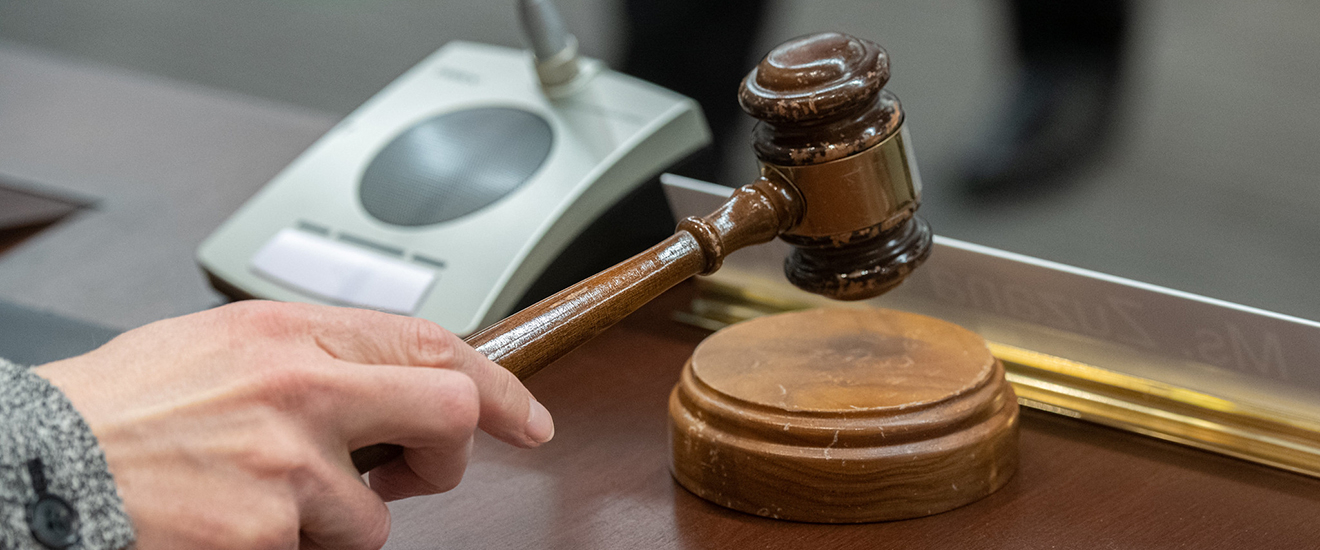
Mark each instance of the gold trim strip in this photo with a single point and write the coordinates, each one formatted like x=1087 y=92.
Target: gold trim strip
x=1159 y=410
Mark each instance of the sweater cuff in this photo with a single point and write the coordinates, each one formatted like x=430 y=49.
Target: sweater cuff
x=56 y=490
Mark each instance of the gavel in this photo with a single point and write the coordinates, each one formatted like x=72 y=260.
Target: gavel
x=837 y=183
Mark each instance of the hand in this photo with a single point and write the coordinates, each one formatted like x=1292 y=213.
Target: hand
x=232 y=428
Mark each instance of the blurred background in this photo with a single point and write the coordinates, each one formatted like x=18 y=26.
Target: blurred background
x=1199 y=175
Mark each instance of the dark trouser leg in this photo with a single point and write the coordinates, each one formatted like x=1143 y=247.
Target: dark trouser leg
x=1063 y=101
x=701 y=49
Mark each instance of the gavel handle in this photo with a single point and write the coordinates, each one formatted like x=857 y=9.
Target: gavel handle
x=529 y=340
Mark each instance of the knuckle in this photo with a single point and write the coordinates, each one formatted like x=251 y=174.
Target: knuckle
x=435 y=345
x=449 y=483
x=279 y=450
x=270 y=539
x=269 y=525
x=461 y=403
x=294 y=387
x=269 y=319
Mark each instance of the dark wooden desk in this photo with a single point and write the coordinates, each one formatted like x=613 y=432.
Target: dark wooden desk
x=603 y=481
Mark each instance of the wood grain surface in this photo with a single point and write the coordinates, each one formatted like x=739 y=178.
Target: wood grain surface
x=838 y=415
x=603 y=482
x=836 y=360
x=819 y=98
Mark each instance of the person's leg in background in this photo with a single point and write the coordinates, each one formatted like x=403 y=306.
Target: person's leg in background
x=701 y=49
x=1062 y=106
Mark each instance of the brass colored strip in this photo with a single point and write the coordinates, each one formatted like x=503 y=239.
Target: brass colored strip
x=1163 y=411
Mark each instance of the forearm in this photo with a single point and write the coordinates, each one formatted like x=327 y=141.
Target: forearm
x=48 y=453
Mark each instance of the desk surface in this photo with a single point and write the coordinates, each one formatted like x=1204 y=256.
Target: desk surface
x=171 y=161
x=164 y=163
x=603 y=481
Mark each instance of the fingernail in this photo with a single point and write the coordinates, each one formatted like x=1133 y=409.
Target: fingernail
x=540 y=427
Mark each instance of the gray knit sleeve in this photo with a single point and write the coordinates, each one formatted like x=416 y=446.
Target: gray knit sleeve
x=55 y=488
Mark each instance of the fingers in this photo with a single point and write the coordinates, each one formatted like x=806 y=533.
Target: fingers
x=370 y=378
x=414 y=407
x=431 y=412
x=338 y=512
x=375 y=338
x=399 y=479
x=507 y=411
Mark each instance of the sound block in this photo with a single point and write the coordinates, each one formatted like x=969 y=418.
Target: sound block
x=843 y=416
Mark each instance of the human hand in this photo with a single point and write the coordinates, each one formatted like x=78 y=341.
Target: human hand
x=231 y=428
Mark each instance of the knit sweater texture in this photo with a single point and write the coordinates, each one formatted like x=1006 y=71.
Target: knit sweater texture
x=41 y=432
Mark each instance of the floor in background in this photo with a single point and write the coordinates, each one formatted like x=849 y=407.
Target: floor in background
x=1210 y=189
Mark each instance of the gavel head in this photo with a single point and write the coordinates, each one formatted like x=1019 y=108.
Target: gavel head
x=830 y=130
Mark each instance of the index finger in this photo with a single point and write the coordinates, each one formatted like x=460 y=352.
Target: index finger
x=508 y=410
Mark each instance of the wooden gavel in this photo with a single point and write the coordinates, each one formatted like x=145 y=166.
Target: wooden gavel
x=837 y=182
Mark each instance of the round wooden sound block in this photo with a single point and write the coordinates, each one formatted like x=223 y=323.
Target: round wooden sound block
x=843 y=416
